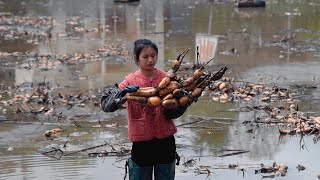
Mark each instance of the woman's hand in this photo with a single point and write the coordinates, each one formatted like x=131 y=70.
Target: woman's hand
x=128 y=89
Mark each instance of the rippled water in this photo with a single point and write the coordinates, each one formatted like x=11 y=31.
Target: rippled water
x=249 y=44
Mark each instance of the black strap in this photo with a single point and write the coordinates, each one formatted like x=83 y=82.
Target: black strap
x=178 y=159
x=126 y=169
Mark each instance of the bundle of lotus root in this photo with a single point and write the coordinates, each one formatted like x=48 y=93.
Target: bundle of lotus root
x=173 y=91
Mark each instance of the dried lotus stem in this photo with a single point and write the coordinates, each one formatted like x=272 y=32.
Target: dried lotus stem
x=154 y=101
x=184 y=100
x=169 y=89
x=164 y=83
x=196 y=92
x=145 y=92
x=177 y=62
x=137 y=98
x=169 y=96
x=170 y=103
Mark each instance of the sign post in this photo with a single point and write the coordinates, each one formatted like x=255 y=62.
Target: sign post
x=205 y=47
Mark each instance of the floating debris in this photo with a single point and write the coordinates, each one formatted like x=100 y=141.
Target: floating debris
x=300 y=167
x=52 y=132
x=280 y=169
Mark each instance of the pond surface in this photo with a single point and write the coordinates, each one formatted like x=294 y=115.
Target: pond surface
x=79 y=46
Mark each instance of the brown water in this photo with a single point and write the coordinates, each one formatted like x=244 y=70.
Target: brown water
x=254 y=33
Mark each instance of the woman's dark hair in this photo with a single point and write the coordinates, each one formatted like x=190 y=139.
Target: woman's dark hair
x=140 y=44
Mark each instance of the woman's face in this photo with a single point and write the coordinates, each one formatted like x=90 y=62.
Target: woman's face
x=147 y=59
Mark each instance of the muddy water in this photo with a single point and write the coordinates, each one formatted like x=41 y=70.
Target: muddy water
x=249 y=44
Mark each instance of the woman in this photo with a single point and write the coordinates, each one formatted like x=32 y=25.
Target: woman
x=151 y=129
